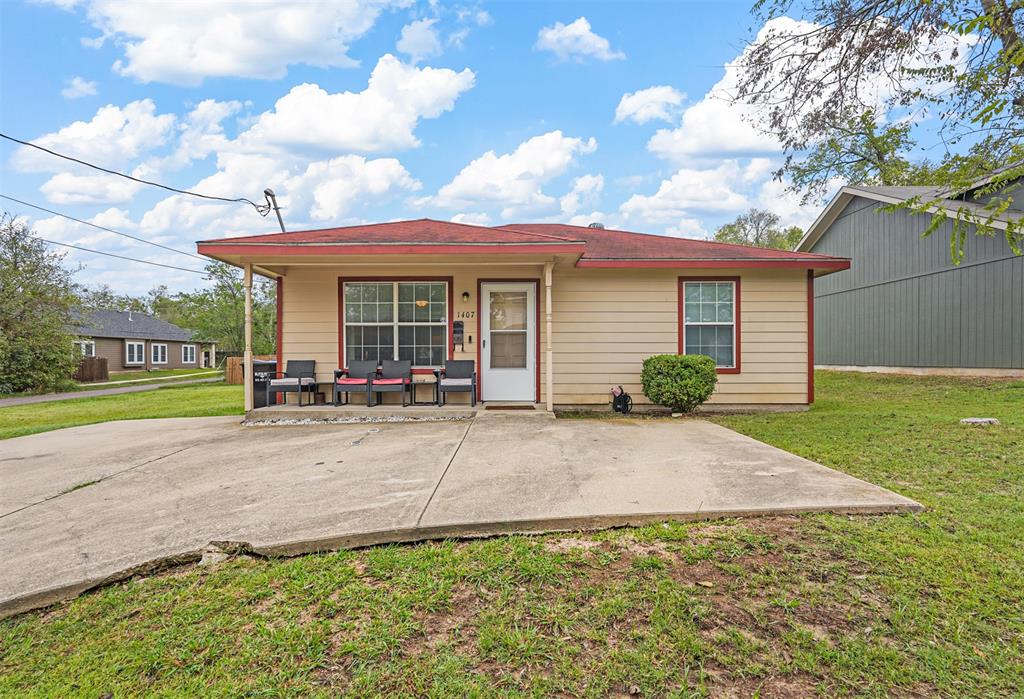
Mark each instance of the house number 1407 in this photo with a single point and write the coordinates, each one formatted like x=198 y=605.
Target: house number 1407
x=466 y=314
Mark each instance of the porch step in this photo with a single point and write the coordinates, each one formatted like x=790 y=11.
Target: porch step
x=286 y=414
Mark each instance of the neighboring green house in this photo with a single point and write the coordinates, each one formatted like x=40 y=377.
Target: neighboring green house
x=903 y=304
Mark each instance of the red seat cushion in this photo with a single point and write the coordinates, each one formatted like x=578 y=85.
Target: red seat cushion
x=390 y=382
x=351 y=382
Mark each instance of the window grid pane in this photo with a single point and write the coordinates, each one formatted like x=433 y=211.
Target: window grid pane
x=709 y=318
x=407 y=320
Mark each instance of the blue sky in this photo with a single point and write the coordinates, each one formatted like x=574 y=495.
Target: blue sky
x=374 y=111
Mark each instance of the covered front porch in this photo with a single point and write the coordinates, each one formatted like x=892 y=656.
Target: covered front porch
x=495 y=311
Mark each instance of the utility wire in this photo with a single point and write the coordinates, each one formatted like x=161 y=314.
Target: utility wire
x=120 y=257
x=102 y=228
x=262 y=209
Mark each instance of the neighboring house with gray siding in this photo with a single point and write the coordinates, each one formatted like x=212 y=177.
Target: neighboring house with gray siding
x=132 y=340
x=903 y=303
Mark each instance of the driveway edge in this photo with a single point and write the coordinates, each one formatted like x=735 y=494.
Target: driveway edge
x=474 y=530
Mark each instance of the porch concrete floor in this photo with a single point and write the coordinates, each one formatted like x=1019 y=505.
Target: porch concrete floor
x=88 y=505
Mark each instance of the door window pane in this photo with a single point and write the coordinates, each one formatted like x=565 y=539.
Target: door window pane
x=508 y=350
x=508 y=310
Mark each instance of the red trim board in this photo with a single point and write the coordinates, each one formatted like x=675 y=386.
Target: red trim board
x=736 y=317
x=341 y=310
x=810 y=336
x=718 y=264
x=480 y=324
x=211 y=249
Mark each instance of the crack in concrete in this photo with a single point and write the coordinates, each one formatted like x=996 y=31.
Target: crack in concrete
x=444 y=473
x=105 y=477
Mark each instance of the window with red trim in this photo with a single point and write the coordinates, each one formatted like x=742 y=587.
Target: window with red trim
x=407 y=321
x=709 y=318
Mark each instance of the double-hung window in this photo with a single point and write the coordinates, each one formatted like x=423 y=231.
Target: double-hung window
x=159 y=353
x=188 y=354
x=86 y=347
x=710 y=320
x=407 y=321
x=134 y=353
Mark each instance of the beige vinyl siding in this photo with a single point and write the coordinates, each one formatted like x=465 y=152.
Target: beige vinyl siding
x=310 y=329
x=606 y=321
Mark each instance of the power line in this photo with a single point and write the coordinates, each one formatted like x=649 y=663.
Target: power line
x=102 y=228
x=262 y=209
x=120 y=257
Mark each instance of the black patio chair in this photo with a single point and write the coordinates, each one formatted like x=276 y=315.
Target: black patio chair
x=393 y=376
x=356 y=377
x=457 y=376
x=299 y=376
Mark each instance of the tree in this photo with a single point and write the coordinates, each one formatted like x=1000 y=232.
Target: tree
x=104 y=298
x=218 y=313
x=36 y=302
x=759 y=228
x=822 y=85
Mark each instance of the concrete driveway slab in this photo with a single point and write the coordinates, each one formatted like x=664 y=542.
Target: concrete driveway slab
x=155 y=492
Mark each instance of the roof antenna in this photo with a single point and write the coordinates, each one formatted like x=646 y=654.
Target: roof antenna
x=272 y=201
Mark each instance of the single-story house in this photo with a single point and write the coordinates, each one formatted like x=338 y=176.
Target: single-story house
x=133 y=340
x=905 y=306
x=552 y=314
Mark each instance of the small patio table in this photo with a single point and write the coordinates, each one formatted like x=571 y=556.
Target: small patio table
x=424 y=380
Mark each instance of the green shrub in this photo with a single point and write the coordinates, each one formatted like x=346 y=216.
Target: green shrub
x=679 y=381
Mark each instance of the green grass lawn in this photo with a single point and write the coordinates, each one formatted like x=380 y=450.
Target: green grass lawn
x=155 y=374
x=180 y=401
x=910 y=605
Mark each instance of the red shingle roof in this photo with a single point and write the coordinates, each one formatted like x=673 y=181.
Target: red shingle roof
x=420 y=231
x=608 y=244
x=597 y=247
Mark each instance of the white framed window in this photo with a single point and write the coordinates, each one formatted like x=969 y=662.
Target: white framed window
x=188 y=354
x=158 y=353
x=407 y=321
x=134 y=352
x=711 y=321
x=86 y=347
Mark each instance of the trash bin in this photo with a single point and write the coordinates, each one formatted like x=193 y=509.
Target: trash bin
x=263 y=370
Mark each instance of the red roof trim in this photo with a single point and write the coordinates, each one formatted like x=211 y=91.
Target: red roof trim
x=387 y=248
x=833 y=263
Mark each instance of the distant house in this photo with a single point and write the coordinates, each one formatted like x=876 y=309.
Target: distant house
x=903 y=304
x=133 y=340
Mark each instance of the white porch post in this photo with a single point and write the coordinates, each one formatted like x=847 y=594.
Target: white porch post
x=247 y=357
x=549 y=369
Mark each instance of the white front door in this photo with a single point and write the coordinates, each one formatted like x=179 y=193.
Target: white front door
x=508 y=336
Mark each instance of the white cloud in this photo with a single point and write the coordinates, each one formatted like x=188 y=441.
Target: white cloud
x=79 y=87
x=308 y=193
x=419 y=40
x=576 y=41
x=689 y=190
x=201 y=134
x=687 y=228
x=114 y=137
x=661 y=102
x=720 y=124
x=381 y=117
x=231 y=38
x=67 y=188
x=585 y=189
x=513 y=180
x=472 y=218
